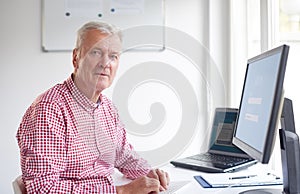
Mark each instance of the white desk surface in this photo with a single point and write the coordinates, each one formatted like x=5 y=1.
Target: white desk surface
x=180 y=174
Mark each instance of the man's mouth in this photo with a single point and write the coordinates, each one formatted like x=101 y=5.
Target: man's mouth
x=102 y=74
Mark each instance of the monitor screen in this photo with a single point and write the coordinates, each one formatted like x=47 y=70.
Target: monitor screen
x=260 y=105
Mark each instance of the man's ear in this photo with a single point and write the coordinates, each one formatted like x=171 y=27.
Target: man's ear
x=75 y=58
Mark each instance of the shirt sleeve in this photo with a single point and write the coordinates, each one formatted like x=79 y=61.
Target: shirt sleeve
x=128 y=160
x=42 y=141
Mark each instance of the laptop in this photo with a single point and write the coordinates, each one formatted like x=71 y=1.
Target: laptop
x=222 y=155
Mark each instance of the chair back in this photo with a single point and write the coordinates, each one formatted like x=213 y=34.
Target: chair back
x=18 y=186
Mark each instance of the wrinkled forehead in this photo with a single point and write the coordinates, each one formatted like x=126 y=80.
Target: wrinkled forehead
x=95 y=38
x=109 y=42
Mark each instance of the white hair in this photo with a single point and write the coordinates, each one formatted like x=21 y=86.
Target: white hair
x=101 y=26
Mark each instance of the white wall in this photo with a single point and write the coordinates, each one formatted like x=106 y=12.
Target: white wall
x=26 y=71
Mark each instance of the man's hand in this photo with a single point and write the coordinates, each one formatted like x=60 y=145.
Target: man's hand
x=161 y=176
x=141 y=185
x=155 y=181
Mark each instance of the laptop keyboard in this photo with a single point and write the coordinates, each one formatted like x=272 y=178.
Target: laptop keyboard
x=220 y=159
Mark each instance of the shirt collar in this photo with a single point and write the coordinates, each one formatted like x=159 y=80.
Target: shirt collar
x=81 y=98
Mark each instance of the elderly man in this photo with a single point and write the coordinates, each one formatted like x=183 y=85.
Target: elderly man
x=71 y=137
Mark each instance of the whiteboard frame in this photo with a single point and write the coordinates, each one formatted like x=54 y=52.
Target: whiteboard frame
x=59 y=30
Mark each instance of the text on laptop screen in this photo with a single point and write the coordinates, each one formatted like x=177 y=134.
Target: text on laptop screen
x=222 y=131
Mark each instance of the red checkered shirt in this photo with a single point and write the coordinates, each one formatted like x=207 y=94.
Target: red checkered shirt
x=69 y=144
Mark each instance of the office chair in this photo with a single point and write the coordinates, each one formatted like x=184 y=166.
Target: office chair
x=18 y=186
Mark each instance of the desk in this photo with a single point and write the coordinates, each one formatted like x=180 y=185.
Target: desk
x=180 y=174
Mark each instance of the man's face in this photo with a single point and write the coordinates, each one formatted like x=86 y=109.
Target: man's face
x=97 y=61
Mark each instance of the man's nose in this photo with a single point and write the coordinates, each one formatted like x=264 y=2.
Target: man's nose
x=105 y=62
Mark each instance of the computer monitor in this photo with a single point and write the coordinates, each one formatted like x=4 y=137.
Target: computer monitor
x=261 y=103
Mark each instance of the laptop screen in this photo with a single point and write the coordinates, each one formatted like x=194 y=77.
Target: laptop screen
x=222 y=131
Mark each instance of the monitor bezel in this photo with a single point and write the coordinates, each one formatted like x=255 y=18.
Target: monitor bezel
x=274 y=118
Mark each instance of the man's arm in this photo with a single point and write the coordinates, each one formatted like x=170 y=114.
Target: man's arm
x=137 y=168
x=128 y=160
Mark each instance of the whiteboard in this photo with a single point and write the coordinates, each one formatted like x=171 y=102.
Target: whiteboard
x=141 y=21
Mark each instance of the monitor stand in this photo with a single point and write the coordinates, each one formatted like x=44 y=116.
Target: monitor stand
x=263 y=191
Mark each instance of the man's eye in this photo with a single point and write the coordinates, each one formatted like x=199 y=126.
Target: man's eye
x=114 y=57
x=97 y=52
